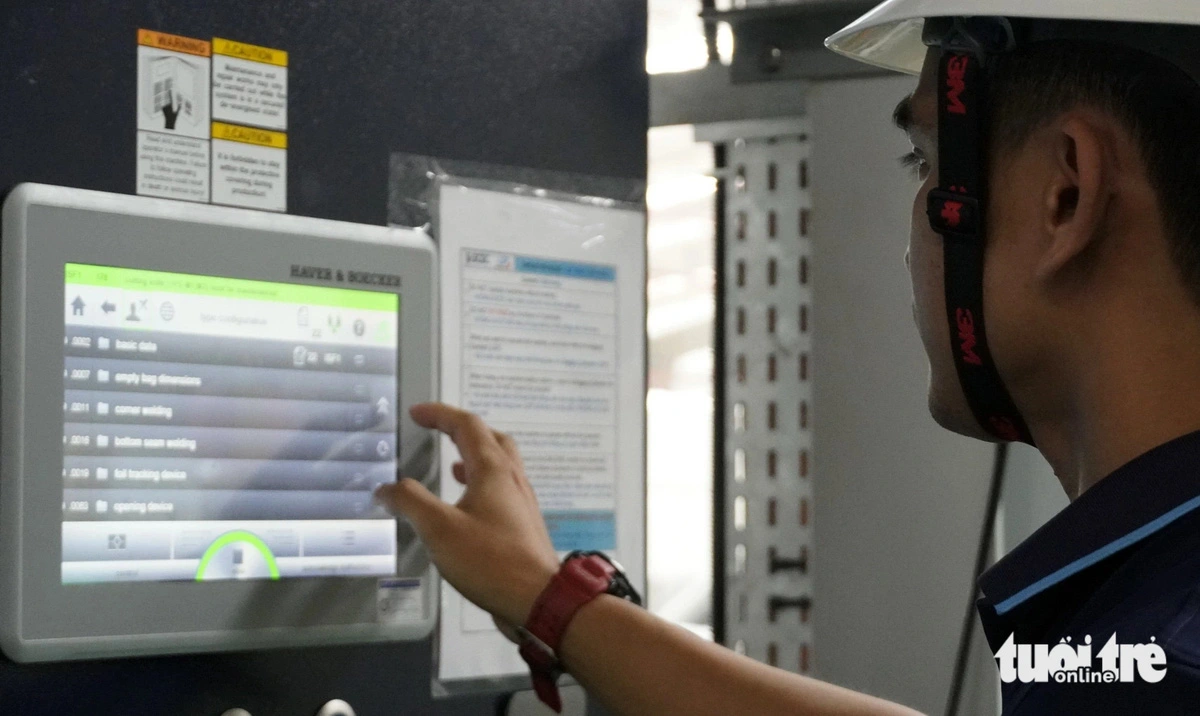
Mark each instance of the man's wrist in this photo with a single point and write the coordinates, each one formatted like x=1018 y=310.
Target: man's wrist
x=531 y=584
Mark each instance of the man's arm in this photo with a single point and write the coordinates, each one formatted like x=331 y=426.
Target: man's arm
x=494 y=548
x=635 y=664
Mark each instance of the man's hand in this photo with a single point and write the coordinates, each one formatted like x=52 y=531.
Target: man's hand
x=493 y=545
x=494 y=548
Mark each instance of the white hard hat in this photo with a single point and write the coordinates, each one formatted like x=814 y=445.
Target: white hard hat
x=890 y=36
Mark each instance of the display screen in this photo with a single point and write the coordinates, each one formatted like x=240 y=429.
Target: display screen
x=218 y=428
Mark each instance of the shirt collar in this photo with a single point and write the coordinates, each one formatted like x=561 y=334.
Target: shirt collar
x=1124 y=508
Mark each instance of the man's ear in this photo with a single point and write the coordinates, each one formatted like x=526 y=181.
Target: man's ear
x=1077 y=196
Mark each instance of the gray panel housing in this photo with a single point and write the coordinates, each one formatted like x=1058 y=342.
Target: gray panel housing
x=41 y=619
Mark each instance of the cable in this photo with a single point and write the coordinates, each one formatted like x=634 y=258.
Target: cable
x=981 y=560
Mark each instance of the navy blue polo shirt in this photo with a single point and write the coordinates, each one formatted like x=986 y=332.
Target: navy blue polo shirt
x=1124 y=559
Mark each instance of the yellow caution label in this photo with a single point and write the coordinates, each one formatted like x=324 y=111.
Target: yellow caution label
x=249 y=135
x=162 y=40
x=247 y=51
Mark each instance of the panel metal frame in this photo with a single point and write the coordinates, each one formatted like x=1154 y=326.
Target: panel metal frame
x=764 y=509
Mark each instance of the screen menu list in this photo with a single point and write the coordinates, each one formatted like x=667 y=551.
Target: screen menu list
x=218 y=428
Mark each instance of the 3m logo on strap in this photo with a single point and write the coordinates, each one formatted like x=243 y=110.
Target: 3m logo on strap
x=956 y=83
x=953 y=212
x=967 y=339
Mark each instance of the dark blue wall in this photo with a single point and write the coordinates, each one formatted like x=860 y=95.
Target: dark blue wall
x=544 y=84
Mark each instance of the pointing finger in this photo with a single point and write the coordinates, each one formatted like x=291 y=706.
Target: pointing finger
x=470 y=434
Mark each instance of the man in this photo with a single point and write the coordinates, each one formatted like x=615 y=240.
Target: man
x=1079 y=134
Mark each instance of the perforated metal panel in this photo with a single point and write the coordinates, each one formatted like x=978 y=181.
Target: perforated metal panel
x=767 y=411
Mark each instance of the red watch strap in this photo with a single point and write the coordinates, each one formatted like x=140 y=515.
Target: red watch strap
x=578 y=582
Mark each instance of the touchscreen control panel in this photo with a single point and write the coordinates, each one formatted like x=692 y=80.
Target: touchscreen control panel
x=218 y=428
x=197 y=404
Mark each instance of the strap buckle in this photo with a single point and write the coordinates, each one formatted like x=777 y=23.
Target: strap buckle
x=955 y=214
x=538 y=653
x=544 y=667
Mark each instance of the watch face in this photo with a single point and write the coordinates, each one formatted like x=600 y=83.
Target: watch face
x=621 y=587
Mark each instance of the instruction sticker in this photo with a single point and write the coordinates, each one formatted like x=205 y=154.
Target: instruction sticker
x=249 y=84
x=249 y=167
x=212 y=121
x=399 y=601
x=173 y=118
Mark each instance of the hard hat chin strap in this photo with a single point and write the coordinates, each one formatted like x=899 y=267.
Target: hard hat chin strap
x=957 y=211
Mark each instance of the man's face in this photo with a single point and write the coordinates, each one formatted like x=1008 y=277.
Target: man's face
x=917 y=115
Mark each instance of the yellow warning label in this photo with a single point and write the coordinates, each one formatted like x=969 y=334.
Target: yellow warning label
x=162 y=40
x=250 y=52
x=249 y=135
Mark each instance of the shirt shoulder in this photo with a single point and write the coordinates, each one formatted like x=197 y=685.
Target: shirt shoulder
x=1153 y=595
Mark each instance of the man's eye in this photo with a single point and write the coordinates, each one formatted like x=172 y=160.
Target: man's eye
x=914 y=162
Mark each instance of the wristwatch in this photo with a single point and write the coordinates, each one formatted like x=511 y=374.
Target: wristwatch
x=582 y=577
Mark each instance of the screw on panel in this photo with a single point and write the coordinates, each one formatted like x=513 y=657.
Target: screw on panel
x=771 y=59
x=336 y=707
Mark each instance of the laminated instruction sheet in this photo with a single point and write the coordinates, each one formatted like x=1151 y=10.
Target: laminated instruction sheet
x=543 y=335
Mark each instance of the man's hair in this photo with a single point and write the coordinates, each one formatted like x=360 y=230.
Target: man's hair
x=1155 y=100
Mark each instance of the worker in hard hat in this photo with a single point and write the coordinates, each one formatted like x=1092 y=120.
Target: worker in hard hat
x=1055 y=261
